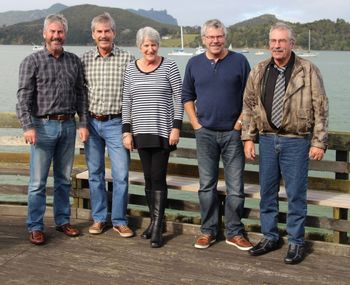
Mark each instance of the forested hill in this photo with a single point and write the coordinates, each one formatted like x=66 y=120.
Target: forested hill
x=325 y=34
x=160 y=16
x=252 y=33
x=79 y=30
x=14 y=17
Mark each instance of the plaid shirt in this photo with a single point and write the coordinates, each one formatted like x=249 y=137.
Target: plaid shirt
x=104 y=80
x=49 y=86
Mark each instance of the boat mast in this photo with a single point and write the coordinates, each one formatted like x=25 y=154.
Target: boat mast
x=182 y=39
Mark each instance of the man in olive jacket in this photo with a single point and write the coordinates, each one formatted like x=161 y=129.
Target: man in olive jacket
x=285 y=104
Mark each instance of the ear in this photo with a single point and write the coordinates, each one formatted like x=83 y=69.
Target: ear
x=292 y=44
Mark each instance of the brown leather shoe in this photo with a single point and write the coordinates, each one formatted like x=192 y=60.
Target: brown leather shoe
x=68 y=230
x=37 y=237
x=204 y=241
x=97 y=228
x=240 y=241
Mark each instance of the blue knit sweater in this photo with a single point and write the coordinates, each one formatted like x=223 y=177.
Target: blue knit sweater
x=217 y=88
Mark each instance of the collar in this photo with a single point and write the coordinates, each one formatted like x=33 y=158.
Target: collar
x=46 y=51
x=112 y=53
x=288 y=65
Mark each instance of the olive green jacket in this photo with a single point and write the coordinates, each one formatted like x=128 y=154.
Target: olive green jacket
x=305 y=109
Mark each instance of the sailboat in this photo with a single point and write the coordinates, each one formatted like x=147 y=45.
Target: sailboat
x=180 y=51
x=200 y=50
x=37 y=47
x=308 y=53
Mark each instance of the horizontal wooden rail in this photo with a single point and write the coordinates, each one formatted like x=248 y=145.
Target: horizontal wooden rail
x=328 y=180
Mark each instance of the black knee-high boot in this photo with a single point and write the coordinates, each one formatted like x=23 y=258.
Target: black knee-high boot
x=149 y=198
x=159 y=202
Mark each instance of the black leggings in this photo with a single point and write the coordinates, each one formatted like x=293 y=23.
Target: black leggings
x=154 y=163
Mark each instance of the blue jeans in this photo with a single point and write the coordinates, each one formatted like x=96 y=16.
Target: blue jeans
x=288 y=158
x=55 y=142
x=102 y=134
x=211 y=145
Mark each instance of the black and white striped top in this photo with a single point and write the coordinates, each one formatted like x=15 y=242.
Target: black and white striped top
x=152 y=103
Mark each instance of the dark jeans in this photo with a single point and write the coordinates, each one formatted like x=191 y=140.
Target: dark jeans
x=211 y=145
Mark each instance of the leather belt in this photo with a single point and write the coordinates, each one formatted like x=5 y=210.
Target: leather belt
x=104 y=118
x=58 y=117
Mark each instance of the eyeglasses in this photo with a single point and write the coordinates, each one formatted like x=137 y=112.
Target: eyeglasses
x=212 y=38
x=280 y=41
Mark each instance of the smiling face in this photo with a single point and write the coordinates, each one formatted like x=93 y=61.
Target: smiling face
x=149 y=50
x=214 y=41
x=54 y=35
x=103 y=36
x=281 y=46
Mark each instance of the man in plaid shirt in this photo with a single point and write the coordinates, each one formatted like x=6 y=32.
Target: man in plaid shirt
x=104 y=68
x=50 y=92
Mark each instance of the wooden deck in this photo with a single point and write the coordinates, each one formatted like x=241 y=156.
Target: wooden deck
x=110 y=259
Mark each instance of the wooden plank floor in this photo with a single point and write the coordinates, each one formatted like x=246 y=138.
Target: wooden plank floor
x=110 y=259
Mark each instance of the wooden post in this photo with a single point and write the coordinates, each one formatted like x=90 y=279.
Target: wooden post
x=339 y=213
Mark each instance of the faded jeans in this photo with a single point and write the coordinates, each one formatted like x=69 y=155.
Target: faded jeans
x=288 y=158
x=56 y=143
x=107 y=134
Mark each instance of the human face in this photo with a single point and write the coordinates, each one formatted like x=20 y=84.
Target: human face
x=104 y=36
x=54 y=36
x=214 y=40
x=149 y=50
x=280 y=46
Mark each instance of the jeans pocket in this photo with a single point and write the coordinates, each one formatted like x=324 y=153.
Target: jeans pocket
x=198 y=130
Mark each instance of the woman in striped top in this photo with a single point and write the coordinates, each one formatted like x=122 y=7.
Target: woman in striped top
x=152 y=115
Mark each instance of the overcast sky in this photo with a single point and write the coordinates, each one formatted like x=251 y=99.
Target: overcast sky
x=195 y=12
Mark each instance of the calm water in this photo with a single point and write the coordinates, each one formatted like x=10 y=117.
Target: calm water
x=334 y=66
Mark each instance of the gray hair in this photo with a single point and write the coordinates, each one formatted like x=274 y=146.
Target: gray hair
x=149 y=33
x=56 y=18
x=283 y=26
x=103 y=18
x=214 y=23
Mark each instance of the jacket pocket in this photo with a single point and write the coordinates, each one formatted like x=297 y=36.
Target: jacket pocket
x=304 y=121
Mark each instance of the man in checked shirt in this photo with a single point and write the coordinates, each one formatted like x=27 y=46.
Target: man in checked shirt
x=50 y=92
x=104 y=68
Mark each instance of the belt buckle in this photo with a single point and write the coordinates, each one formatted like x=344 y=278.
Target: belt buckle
x=61 y=117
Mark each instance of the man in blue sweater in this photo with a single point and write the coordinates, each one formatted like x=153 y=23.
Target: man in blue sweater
x=212 y=95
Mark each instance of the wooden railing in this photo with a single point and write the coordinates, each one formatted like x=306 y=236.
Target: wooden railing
x=328 y=183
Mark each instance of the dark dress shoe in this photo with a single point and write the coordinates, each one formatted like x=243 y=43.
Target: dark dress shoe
x=37 y=237
x=264 y=246
x=68 y=230
x=295 y=254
